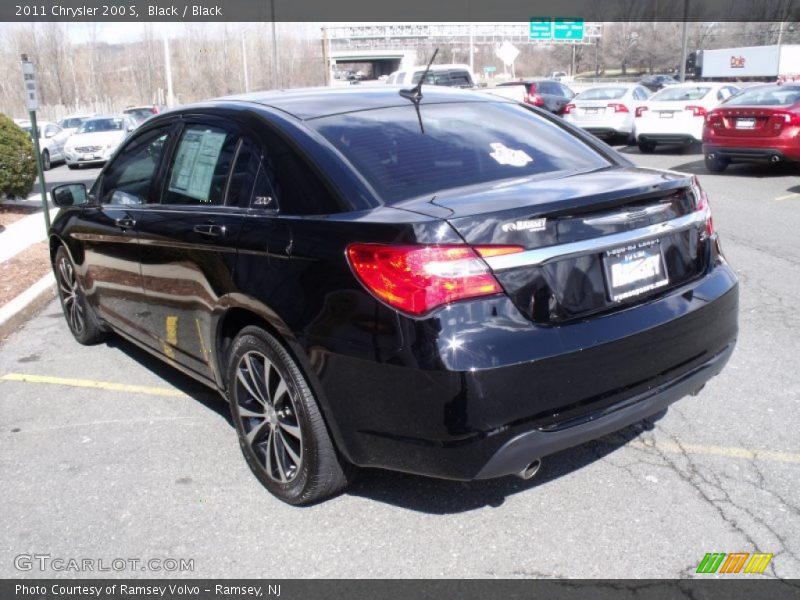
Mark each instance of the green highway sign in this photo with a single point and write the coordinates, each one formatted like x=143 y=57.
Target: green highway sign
x=564 y=29
x=555 y=29
x=489 y=69
x=541 y=29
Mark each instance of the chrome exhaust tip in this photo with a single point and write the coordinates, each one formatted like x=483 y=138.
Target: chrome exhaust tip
x=775 y=158
x=712 y=156
x=531 y=470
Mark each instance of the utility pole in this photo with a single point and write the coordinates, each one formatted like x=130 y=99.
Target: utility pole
x=472 y=49
x=326 y=55
x=244 y=65
x=276 y=74
x=684 y=41
x=32 y=100
x=168 y=72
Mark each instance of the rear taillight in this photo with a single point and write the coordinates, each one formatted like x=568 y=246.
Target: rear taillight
x=640 y=110
x=418 y=279
x=569 y=108
x=786 y=118
x=714 y=119
x=697 y=111
x=534 y=99
x=701 y=204
x=618 y=108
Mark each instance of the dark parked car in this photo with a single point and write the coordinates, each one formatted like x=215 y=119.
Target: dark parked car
x=550 y=95
x=657 y=82
x=761 y=123
x=455 y=288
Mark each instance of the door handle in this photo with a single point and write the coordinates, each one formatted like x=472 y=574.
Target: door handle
x=210 y=230
x=125 y=222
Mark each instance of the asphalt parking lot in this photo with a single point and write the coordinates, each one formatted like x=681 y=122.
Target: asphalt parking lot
x=106 y=453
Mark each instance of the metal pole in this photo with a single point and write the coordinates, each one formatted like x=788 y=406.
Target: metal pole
x=326 y=55
x=684 y=42
x=168 y=72
x=35 y=132
x=276 y=74
x=472 y=49
x=244 y=65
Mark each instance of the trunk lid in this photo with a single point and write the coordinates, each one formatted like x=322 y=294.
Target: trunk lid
x=567 y=228
x=749 y=121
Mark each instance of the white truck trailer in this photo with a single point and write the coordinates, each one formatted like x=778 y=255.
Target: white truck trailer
x=752 y=62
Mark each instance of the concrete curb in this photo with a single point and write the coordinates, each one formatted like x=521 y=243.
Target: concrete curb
x=23 y=307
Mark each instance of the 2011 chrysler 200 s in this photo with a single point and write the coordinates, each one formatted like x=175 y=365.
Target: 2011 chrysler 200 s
x=438 y=282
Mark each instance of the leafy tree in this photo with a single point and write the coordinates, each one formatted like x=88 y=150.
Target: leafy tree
x=17 y=162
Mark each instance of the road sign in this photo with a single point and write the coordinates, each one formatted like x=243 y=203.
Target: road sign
x=507 y=52
x=490 y=69
x=565 y=29
x=541 y=29
x=29 y=80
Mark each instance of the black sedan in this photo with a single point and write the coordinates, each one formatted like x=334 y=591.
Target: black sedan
x=657 y=82
x=453 y=285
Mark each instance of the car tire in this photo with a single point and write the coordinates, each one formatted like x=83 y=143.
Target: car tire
x=281 y=430
x=646 y=147
x=84 y=325
x=716 y=164
x=46 y=160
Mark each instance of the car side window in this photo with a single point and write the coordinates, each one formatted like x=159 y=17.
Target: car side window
x=200 y=166
x=297 y=189
x=128 y=179
x=245 y=177
x=722 y=93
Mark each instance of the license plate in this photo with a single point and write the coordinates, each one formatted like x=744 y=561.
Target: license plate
x=634 y=270
x=666 y=114
x=745 y=123
x=593 y=111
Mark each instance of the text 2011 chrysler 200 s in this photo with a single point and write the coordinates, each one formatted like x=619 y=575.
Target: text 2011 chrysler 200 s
x=452 y=284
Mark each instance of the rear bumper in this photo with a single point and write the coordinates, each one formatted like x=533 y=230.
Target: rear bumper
x=754 y=154
x=523 y=449
x=669 y=131
x=479 y=391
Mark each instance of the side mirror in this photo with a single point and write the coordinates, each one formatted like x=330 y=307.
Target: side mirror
x=70 y=194
x=49 y=134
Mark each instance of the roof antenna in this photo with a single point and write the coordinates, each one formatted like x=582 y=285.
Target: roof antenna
x=415 y=94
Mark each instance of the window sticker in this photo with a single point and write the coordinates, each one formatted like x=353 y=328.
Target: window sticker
x=195 y=163
x=506 y=156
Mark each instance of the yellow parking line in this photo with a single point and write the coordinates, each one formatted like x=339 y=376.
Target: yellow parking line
x=90 y=383
x=727 y=451
x=787 y=197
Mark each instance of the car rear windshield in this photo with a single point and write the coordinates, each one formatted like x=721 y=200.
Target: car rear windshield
x=69 y=123
x=139 y=113
x=605 y=93
x=680 y=93
x=452 y=77
x=778 y=95
x=93 y=125
x=463 y=144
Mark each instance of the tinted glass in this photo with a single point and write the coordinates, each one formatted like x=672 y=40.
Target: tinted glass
x=108 y=124
x=774 y=95
x=605 y=93
x=243 y=175
x=71 y=123
x=128 y=179
x=200 y=167
x=463 y=144
x=677 y=94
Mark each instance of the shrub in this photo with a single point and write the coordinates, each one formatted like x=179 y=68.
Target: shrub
x=17 y=162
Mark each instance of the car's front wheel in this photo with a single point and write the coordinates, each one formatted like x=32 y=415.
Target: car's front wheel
x=82 y=322
x=281 y=430
x=715 y=164
x=45 y=160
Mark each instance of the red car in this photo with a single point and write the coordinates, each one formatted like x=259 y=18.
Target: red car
x=762 y=123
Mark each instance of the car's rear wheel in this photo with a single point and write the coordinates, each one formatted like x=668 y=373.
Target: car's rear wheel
x=45 y=160
x=281 y=429
x=81 y=320
x=646 y=147
x=716 y=164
